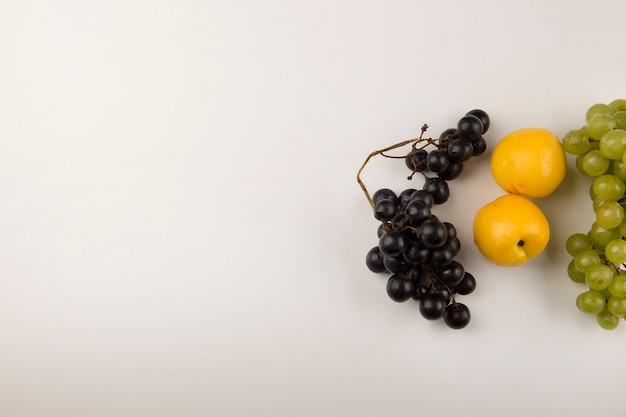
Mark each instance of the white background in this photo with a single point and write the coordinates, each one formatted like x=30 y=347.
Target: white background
x=182 y=234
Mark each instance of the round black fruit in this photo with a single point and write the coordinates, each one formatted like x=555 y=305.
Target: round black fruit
x=483 y=116
x=392 y=243
x=438 y=188
x=460 y=150
x=457 y=316
x=374 y=260
x=470 y=127
x=467 y=284
x=400 y=287
x=433 y=234
x=432 y=306
x=385 y=209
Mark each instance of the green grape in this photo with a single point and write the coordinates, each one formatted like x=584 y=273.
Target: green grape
x=586 y=259
x=616 y=305
x=599 y=276
x=619 y=169
x=608 y=187
x=624 y=158
x=575 y=142
x=606 y=320
x=615 y=251
x=617 y=287
x=613 y=144
x=600 y=151
x=574 y=274
x=599 y=124
x=597 y=203
x=591 y=302
x=620 y=119
x=622 y=229
x=598 y=108
x=579 y=165
x=592 y=194
x=619 y=104
x=594 y=163
x=610 y=214
x=577 y=243
x=601 y=236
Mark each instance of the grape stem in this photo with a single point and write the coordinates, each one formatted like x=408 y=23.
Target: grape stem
x=381 y=152
x=436 y=279
x=610 y=264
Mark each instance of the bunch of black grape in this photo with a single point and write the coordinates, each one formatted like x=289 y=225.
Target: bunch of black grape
x=414 y=246
x=455 y=146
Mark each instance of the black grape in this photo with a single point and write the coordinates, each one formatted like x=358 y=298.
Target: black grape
x=470 y=127
x=457 y=316
x=432 y=306
x=400 y=287
x=374 y=260
x=438 y=188
x=483 y=116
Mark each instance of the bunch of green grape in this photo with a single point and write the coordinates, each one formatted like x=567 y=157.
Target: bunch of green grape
x=599 y=256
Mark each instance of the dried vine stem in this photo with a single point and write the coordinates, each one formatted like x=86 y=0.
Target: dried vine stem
x=414 y=141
